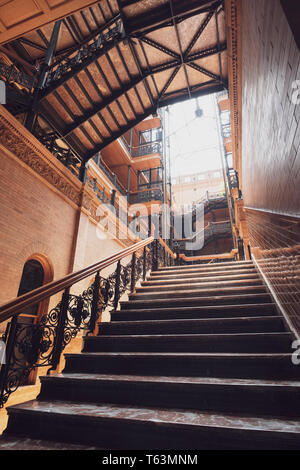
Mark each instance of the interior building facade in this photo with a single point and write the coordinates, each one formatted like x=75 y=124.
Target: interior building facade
x=82 y=140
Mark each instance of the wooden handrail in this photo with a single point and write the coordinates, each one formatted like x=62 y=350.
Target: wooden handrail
x=211 y=257
x=167 y=248
x=208 y=225
x=19 y=304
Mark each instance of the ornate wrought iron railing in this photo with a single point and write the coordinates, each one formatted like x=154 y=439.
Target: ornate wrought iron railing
x=87 y=51
x=11 y=74
x=146 y=196
x=100 y=193
x=154 y=147
x=233 y=178
x=65 y=155
x=144 y=149
x=111 y=176
x=29 y=346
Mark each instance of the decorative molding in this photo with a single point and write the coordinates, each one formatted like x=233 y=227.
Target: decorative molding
x=233 y=16
x=14 y=138
x=21 y=144
x=19 y=18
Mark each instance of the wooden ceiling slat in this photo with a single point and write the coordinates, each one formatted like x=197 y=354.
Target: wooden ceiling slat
x=99 y=123
x=81 y=93
x=109 y=119
x=80 y=134
x=130 y=115
x=119 y=115
x=154 y=59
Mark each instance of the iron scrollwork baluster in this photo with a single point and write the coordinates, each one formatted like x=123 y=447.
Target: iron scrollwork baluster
x=29 y=346
x=59 y=339
x=117 y=285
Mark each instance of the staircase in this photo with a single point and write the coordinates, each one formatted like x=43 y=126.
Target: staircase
x=197 y=358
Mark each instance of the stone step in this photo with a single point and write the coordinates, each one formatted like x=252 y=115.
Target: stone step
x=204 y=326
x=207 y=265
x=266 y=397
x=256 y=366
x=218 y=291
x=198 y=301
x=133 y=427
x=205 y=269
x=13 y=443
x=196 y=279
x=148 y=287
x=192 y=312
x=208 y=343
x=159 y=275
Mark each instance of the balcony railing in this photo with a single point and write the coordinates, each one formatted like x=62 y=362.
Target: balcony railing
x=233 y=178
x=11 y=74
x=100 y=193
x=120 y=213
x=63 y=154
x=111 y=176
x=152 y=147
x=145 y=149
x=146 y=196
x=31 y=346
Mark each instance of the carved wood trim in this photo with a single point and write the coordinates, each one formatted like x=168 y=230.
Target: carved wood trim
x=23 y=145
x=233 y=25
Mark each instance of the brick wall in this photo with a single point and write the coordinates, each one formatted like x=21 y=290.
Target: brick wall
x=270 y=120
x=34 y=219
x=271 y=149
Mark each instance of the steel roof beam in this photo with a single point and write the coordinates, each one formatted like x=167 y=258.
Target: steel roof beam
x=163 y=13
x=170 y=100
x=135 y=81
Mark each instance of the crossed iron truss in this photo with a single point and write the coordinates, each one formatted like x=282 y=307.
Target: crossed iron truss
x=59 y=66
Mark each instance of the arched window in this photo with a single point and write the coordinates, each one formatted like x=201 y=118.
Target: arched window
x=32 y=278
x=36 y=271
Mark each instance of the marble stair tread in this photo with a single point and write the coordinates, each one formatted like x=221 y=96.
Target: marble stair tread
x=13 y=443
x=201 y=292
x=225 y=263
x=224 y=342
x=203 y=285
x=195 y=325
x=219 y=381
x=202 y=272
x=195 y=279
x=205 y=268
x=211 y=311
x=212 y=299
x=244 y=396
x=189 y=418
x=222 y=364
x=196 y=336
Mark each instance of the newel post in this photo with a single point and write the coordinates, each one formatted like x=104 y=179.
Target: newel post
x=117 y=285
x=133 y=267
x=60 y=330
x=95 y=302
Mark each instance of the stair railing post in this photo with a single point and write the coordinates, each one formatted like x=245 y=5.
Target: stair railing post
x=165 y=256
x=241 y=248
x=154 y=255
x=95 y=301
x=117 y=285
x=133 y=268
x=60 y=330
x=144 y=263
x=10 y=336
